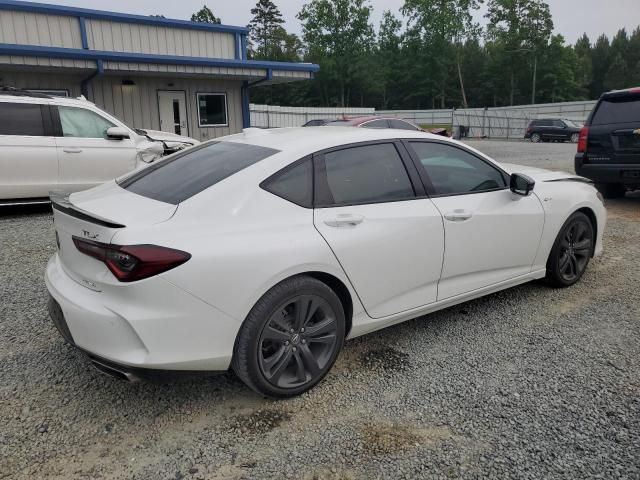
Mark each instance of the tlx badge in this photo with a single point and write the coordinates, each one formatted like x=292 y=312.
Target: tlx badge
x=90 y=235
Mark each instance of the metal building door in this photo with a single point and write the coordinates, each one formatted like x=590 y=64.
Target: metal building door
x=173 y=111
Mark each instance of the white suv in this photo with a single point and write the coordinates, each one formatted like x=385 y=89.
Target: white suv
x=56 y=143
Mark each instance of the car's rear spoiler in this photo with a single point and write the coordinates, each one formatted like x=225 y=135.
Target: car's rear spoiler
x=60 y=201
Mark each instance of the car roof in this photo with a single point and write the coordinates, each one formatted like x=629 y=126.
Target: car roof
x=304 y=141
x=621 y=93
x=44 y=99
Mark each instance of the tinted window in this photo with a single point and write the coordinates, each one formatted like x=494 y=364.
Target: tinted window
x=293 y=184
x=544 y=123
x=453 y=171
x=399 y=124
x=340 y=123
x=212 y=109
x=617 y=110
x=368 y=174
x=82 y=123
x=180 y=177
x=558 y=123
x=21 y=119
x=376 y=124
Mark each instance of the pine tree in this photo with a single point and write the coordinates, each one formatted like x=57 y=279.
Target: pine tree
x=205 y=15
x=266 y=29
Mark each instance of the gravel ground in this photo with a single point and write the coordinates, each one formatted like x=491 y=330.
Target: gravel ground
x=527 y=383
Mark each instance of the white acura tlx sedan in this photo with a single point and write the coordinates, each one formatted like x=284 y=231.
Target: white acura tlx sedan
x=263 y=251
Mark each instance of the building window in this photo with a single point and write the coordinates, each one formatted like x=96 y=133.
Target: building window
x=212 y=110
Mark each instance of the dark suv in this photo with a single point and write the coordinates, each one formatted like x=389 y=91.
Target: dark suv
x=609 y=145
x=552 y=130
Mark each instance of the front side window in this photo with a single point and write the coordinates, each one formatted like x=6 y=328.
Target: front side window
x=181 y=176
x=83 y=123
x=366 y=174
x=212 y=110
x=21 y=119
x=453 y=171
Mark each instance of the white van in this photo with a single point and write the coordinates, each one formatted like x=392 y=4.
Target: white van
x=57 y=143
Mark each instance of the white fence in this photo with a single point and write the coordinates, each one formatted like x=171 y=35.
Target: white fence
x=270 y=116
x=498 y=122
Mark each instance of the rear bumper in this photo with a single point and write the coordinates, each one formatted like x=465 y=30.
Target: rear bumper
x=625 y=173
x=151 y=324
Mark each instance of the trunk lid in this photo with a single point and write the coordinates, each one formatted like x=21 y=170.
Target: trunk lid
x=97 y=215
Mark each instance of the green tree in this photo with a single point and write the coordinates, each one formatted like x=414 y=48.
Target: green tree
x=600 y=60
x=523 y=28
x=266 y=29
x=439 y=25
x=205 y=15
x=338 y=35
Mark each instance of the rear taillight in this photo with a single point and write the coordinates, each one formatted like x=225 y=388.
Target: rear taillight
x=129 y=263
x=583 y=140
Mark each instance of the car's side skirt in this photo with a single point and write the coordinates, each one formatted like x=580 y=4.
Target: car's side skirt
x=365 y=324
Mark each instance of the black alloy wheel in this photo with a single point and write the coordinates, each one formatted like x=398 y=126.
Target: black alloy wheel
x=291 y=338
x=571 y=252
x=298 y=341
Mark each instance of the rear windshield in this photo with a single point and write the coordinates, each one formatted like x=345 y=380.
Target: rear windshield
x=618 y=110
x=181 y=177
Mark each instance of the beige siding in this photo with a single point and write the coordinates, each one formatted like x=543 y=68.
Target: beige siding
x=137 y=105
x=158 y=40
x=234 y=73
x=46 y=62
x=26 y=28
x=71 y=83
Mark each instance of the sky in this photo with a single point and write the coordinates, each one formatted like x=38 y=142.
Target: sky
x=572 y=18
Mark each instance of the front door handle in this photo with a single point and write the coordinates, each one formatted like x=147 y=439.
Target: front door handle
x=72 y=150
x=345 y=220
x=458 y=215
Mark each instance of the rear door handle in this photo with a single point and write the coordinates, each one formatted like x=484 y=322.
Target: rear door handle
x=72 y=150
x=345 y=220
x=458 y=216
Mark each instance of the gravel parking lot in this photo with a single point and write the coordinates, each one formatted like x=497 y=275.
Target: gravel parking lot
x=527 y=383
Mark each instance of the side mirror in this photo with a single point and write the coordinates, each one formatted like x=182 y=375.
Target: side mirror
x=521 y=184
x=117 y=133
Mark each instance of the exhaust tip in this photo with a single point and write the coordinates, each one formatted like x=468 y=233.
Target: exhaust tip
x=114 y=372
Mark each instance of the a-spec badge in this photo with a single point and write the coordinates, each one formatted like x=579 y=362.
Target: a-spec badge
x=89 y=235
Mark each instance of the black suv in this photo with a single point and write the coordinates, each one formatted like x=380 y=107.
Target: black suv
x=552 y=130
x=609 y=144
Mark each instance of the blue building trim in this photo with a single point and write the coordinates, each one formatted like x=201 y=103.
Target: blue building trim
x=115 y=17
x=83 y=33
x=238 y=47
x=84 y=84
x=243 y=48
x=95 y=55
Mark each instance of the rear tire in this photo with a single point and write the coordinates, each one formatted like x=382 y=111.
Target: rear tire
x=535 y=137
x=571 y=251
x=611 y=190
x=290 y=339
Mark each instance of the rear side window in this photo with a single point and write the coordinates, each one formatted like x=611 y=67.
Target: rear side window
x=293 y=183
x=617 y=110
x=181 y=177
x=359 y=175
x=22 y=119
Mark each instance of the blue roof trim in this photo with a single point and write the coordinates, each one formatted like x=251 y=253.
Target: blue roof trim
x=116 y=17
x=95 y=55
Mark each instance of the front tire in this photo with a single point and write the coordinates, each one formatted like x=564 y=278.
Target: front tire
x=575 y=137
x=290 y=339
x=571 y=251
